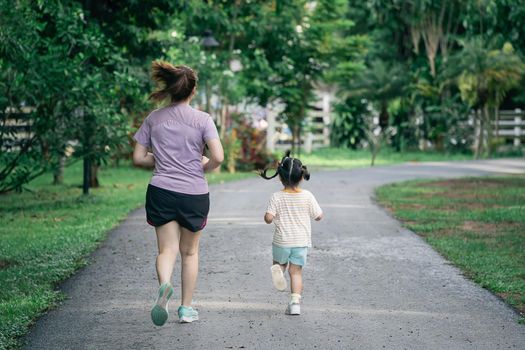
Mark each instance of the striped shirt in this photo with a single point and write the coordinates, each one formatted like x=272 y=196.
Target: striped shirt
x=292 y=213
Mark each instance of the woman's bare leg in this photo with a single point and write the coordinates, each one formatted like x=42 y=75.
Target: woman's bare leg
x=168 y=241
x=189 y=253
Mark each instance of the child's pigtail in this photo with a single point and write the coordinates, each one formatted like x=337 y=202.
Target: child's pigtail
x=305 y=172
x=280 y=168
x=262 y=173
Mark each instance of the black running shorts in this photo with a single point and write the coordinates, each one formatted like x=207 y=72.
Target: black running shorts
x=189 y=210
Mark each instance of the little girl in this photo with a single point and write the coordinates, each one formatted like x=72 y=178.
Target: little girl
x=291 y=210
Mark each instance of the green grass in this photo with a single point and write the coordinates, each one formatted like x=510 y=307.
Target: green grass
x=339 y=158
x=476 y=223
x=47 y=234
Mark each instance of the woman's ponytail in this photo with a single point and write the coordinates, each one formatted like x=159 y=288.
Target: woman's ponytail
x=174 y=82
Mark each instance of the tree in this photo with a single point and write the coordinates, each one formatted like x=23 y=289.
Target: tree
x=484 y=76
x=381 y=83
x=433 y=22
x=349 y=128
x=69 y=78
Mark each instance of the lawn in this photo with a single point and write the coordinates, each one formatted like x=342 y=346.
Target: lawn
x=48 y=233
x=340 y=158
x=476 y=223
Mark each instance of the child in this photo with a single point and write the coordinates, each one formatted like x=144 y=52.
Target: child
x=291 y=210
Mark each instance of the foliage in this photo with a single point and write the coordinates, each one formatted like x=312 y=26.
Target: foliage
x=483 y=77
x=71 y=81
x=349 y=127
x=232 y=151
x=425 y=38
x=252 y=152
x=381 y=82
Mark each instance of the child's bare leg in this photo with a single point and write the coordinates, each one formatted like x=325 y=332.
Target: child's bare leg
x=296 y=278
x=278 y=280
x=296 y=284
x=283 y=266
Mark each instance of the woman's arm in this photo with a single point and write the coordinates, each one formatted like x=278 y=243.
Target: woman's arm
x=216 y=154
x=141 y=156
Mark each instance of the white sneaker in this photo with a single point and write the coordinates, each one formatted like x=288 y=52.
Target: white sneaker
x=278 y=279
x=293 y=309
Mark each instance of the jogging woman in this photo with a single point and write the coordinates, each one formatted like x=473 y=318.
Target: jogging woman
x=172 y=139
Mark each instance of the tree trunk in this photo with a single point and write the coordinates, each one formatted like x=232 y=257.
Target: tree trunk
x=375 y=145
x=295 y=138
x=299 y=141
x=207 y=89
x=93 y=180
x=223 y=117
x=58 y=174
x=488 y=123
x=496 y=122
x=87 y=175
x=383 y=115
x=481 y=136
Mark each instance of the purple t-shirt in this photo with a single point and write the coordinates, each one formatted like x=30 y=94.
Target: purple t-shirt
x=177 y=134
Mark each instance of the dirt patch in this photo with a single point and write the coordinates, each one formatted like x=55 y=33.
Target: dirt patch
x=516 y=297
x=468 y=195
x=476 y=226
x=470 y=184
x=411 y=222
x=412 y=206
x=444 y=232
x=488 y=228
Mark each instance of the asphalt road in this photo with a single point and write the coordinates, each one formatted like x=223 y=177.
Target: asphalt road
x=369 y=283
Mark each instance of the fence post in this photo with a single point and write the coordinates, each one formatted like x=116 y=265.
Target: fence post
x=326 y=119
x=517 y=131
x=308 y=142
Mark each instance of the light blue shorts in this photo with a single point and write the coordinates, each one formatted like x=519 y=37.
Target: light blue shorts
x=295 y=255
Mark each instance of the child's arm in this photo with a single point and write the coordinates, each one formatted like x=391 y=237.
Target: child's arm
x=316 y=212
x=271 y=210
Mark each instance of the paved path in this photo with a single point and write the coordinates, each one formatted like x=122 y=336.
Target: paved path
x=370 y=284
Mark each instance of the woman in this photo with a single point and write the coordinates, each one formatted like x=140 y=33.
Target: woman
x=177 y=199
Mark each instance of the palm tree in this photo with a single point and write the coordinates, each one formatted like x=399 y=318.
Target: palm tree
x=484 y=76
x=381 y=82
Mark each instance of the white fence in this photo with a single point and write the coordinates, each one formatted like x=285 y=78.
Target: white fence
x=317 y=130
x=511 y=127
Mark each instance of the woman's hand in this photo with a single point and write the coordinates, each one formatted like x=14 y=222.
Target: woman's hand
x=216 y=155
x=141 y=156
x=204 y=161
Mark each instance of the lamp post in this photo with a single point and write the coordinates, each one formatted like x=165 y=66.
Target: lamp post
x=208 y=42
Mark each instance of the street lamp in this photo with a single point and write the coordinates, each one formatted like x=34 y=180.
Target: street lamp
x=208 y=42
